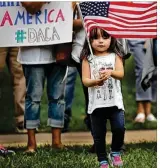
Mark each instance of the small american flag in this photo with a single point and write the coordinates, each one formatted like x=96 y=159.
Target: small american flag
x=121 y=19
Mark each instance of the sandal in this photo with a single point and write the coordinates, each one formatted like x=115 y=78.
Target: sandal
x=140 y=118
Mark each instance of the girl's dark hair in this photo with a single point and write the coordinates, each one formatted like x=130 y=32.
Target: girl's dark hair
x=94 y=35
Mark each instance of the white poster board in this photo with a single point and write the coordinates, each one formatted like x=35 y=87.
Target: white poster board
x=52 y=25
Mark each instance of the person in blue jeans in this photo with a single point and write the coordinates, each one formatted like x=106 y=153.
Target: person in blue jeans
x=39 y=65
x=143 y=98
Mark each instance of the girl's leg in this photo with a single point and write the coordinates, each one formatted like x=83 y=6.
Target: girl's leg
x=117 y=122
x=98 y=123
x=118 y=131
x=35 y=77
x=55 y=92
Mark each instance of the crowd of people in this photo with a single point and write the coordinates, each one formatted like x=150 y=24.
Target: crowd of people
x=100 y=73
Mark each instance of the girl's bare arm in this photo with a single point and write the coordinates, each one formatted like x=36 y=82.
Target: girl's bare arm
x=118 y=73
x=86 y=76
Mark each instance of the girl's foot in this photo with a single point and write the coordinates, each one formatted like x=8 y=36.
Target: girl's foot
x=115 y=159
x=104 y=164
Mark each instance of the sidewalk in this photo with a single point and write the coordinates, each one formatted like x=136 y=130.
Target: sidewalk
x=78 y=138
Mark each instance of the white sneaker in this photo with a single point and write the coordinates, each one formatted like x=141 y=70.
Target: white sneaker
x=140 y=118
x=151 y=117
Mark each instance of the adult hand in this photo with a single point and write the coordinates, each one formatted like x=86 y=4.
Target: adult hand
x=32 y=7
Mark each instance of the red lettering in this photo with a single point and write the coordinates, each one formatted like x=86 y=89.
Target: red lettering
x=6 y=18
x=49 y=20
x=60 y=15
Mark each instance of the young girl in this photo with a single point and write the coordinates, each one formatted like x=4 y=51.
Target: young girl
x=101 y=73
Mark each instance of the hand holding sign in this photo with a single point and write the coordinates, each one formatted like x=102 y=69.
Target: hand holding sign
x=32 y=7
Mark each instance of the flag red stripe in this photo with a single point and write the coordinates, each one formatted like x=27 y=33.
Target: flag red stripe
x=120 y=29
x=127 y=35
x=123 y=25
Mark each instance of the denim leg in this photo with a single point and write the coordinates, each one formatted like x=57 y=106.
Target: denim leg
x=85 y=89
x=117 y=122
x=87 y=120
x=35 y=78
x=137 y=48
x=70 y=86
x=55 y=92
x=98 y=122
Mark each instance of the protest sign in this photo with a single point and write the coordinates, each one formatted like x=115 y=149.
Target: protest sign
x=51 y=25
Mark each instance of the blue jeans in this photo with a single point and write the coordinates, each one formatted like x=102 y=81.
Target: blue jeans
x=70 y=85
x=137 y=48
x=69 y=94
x=35 y=79
x=98 y=122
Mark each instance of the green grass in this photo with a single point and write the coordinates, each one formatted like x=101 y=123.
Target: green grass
x=78 y=112
x=142 y=155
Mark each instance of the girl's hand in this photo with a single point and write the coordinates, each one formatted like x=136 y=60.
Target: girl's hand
x=99 y=82
x=105 y=74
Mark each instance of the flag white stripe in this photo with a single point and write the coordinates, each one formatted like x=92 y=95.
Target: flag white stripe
x=128 y=15
x=131 y=21
x=142 y=2
x=112 y=6
x=129 y=32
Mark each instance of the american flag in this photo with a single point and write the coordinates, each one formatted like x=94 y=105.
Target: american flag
x=121 y=19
